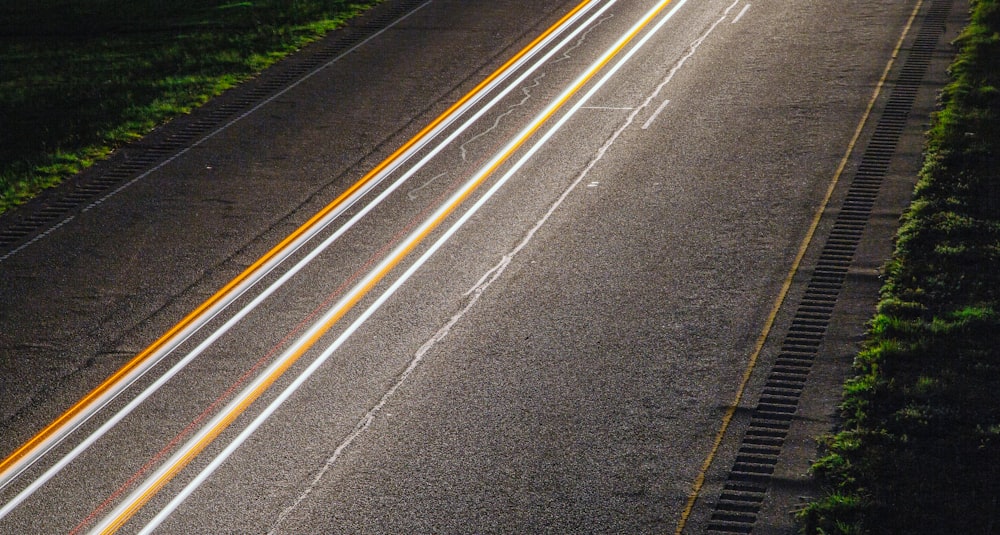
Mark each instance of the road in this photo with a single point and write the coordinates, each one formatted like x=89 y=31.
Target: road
x=497 y=267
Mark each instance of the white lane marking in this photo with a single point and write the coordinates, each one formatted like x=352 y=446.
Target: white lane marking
x=120 y=511
x=37 y=238
x=184 y=334
x=692 y=48
x=224 y=127
x=655 y=114
x=238 y=290
x=267 y=268
x=492 y=274
x=365 y=422
x=742 y=12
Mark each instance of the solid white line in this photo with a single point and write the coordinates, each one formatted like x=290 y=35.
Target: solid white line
x=263 y=103
x=37 y=238
x=655 y=115
x=221 y=128
x=742 y=12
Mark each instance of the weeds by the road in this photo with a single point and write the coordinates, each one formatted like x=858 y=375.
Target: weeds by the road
x=82 y=78
x=920 y=447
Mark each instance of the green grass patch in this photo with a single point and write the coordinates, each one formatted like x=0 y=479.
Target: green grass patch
x=81 y=78
x=919 y=451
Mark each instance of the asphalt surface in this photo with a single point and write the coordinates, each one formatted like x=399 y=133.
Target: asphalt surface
x=563 y=362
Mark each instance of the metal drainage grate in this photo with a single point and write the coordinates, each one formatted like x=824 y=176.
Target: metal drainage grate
x=747 y=482
x=245 y=98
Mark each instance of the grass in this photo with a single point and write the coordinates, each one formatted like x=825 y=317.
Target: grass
x=919 y=450
x=81 y=78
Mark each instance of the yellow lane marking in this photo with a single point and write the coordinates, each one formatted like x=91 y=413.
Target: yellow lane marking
x=27 y=452
x=796 y=264
x=134 y=503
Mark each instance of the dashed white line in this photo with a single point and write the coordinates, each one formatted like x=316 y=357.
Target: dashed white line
x=670 y=75
x=494 y=273
x=742 y=12
x=655 y=114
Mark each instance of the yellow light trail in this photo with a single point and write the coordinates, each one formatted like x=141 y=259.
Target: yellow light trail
x=29 y=452
x=117 y=518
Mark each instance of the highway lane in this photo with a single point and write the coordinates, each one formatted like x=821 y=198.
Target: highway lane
x=636 y=256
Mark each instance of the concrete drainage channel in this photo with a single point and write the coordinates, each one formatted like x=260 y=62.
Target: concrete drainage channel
x=748 y=480
x=53 y=208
